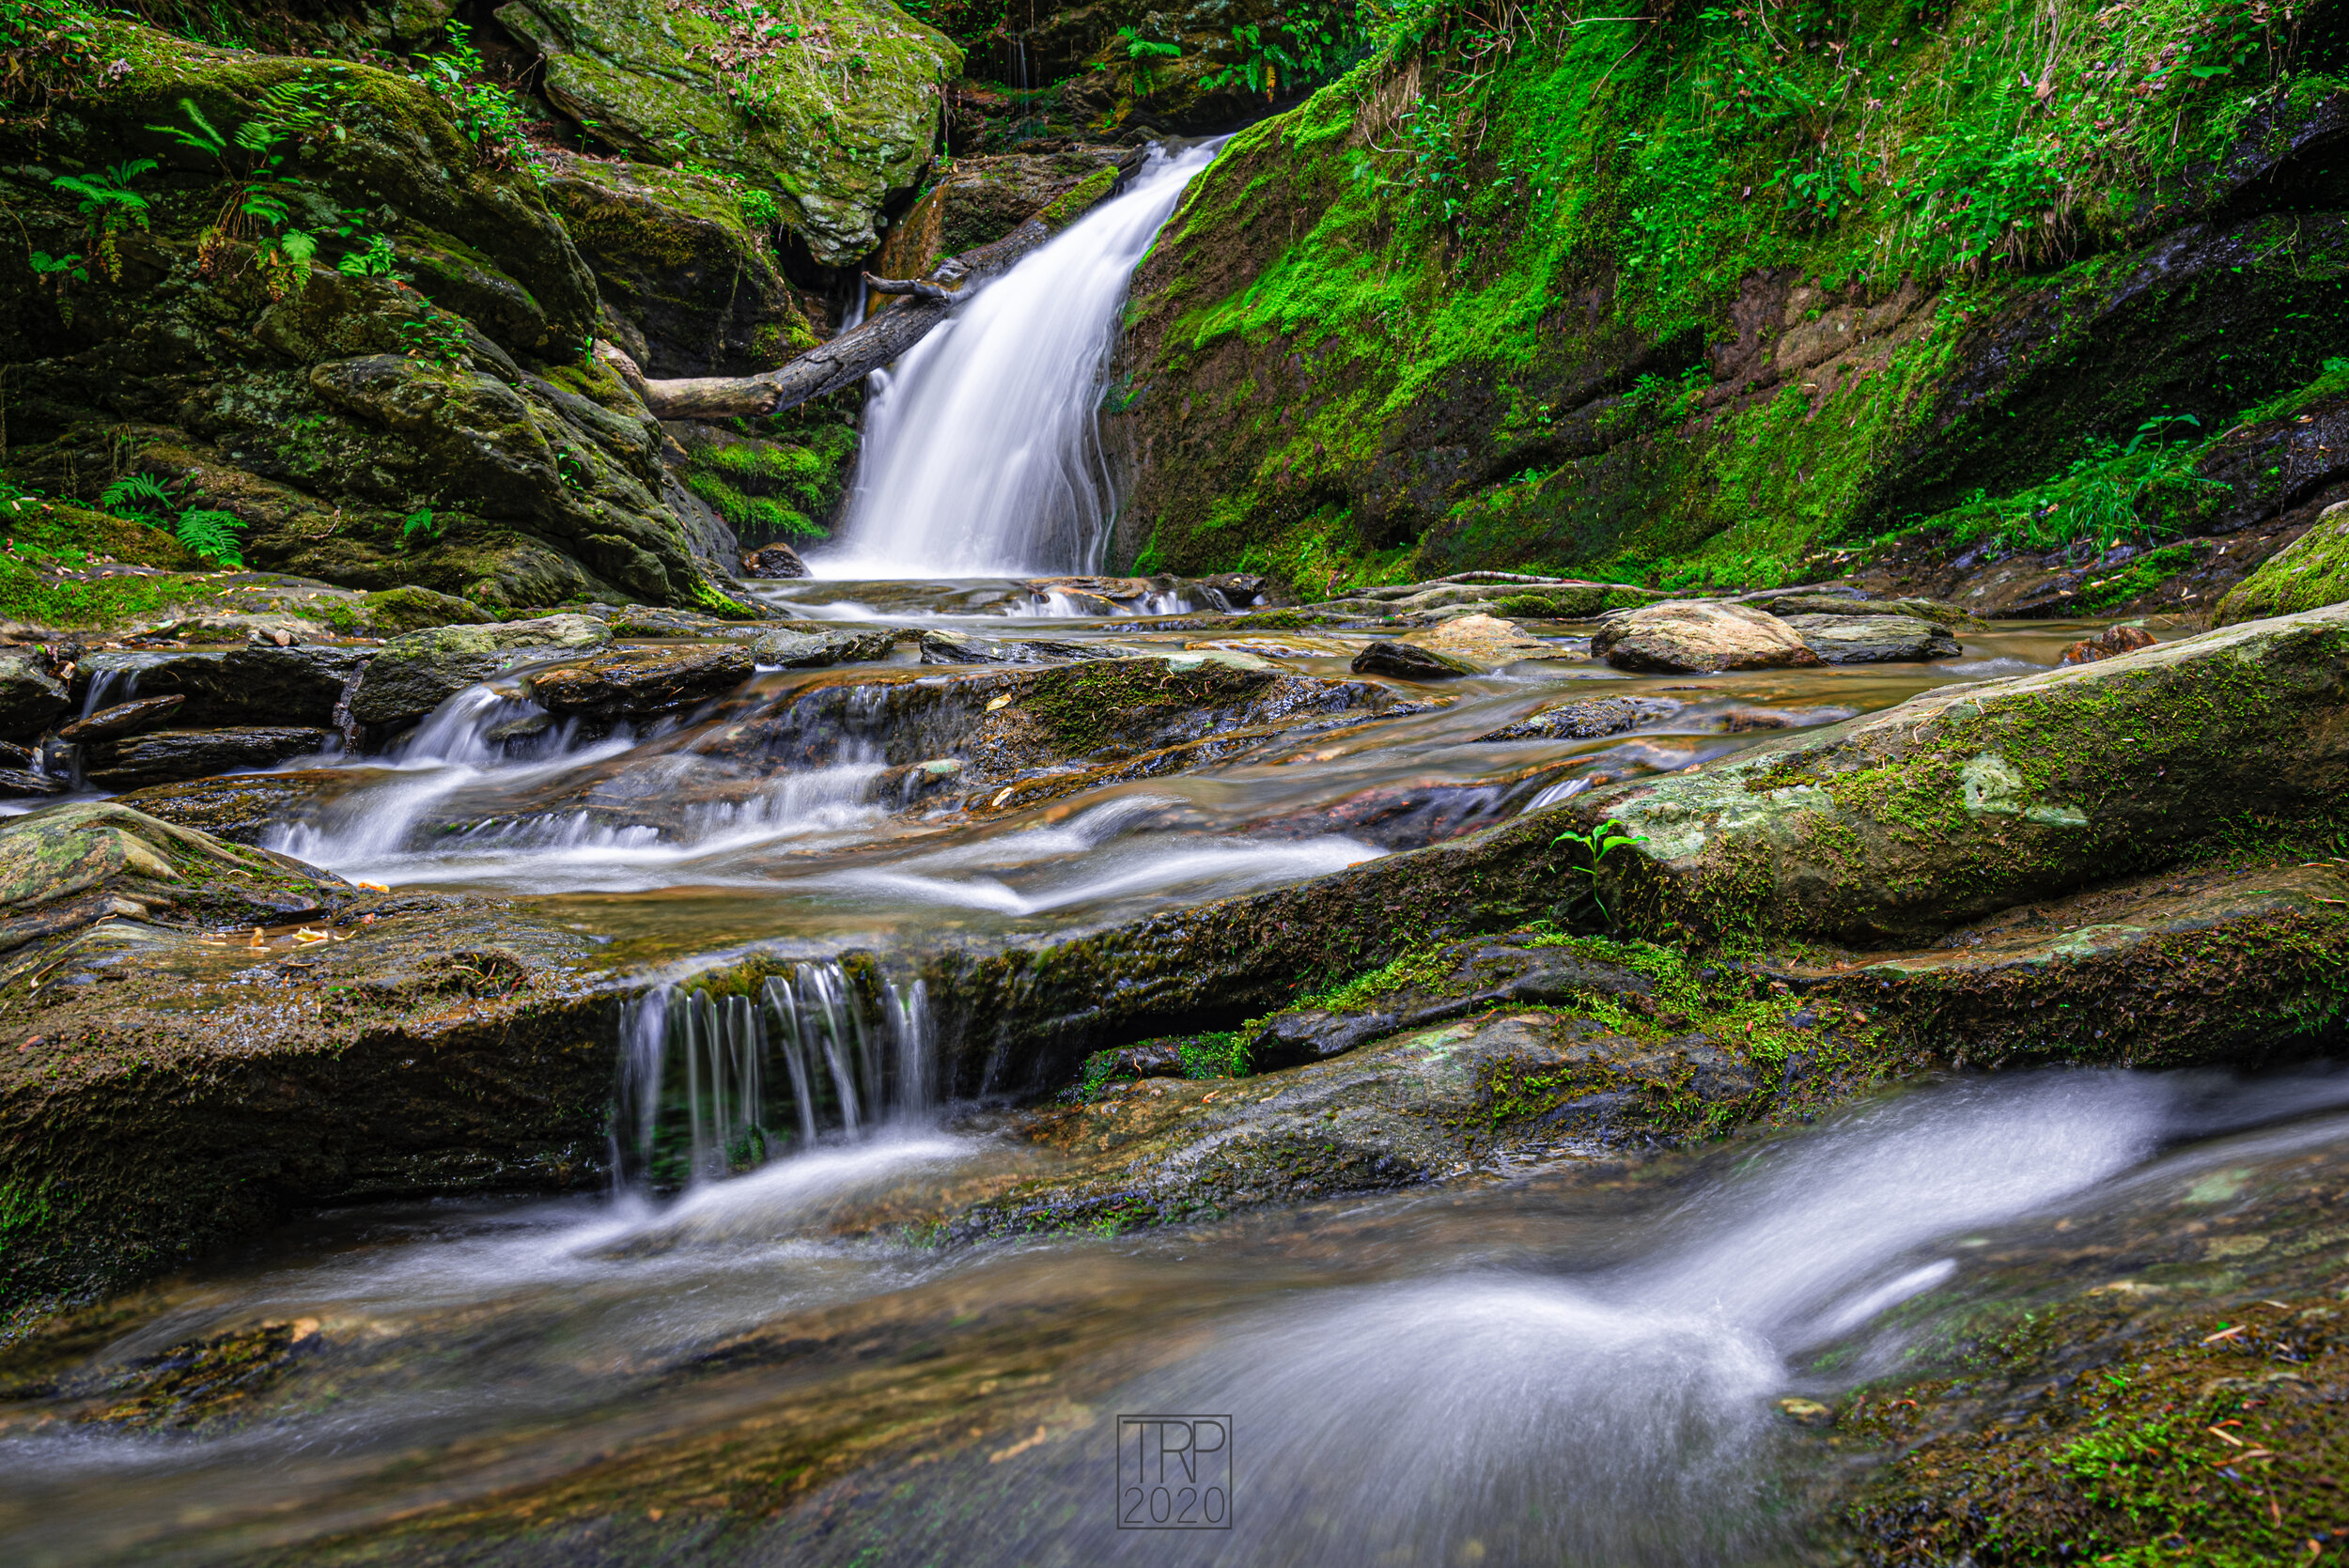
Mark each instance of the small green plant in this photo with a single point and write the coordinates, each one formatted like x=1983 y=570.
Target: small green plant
x=759 y=208
x=1141 y=56
x=136 y=498
x=111 y=206
x=419 y=526
x=490 y=115
x=211 y=533
x=573 y=471
x=374 y=260
x=436 y=338
x=1595 y=845
x=56 y=273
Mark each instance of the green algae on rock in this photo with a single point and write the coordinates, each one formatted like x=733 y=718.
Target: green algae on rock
x=2311 y=572
x=1969 y=798
x=412 y=675
x=833 y=118
x=416 y=1044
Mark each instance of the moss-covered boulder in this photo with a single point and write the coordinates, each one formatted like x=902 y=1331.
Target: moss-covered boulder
x=688 y=280
x=66 y=866
x=2311 y=572
x=413 y=674
x=828 y=113
x=979 y=200
x=432 y=417
x=162 y=1093
x=1971 y=798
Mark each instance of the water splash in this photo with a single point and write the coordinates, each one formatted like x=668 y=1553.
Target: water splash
x=980 y=454
x=698 y=1098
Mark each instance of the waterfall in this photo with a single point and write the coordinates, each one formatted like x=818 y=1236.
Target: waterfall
x=981 y=452
x=697 y=1098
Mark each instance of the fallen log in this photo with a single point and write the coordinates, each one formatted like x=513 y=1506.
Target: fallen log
x=921 y=303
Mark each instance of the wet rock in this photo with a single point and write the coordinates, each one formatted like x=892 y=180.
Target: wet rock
x=1409 y=661
x=1700 y=634
x=634 y=683
x=1465 y=978
x=184 y=1092
x=165 y=755
x=1950 y=617
x=30 y=697
x=1806 y=1412
x=412 y=675
x=1587 y=720
x=2311 y=572
x=123 y=718
x=1969 y=798
x=2219 y=965
x=1239 y=590
x=1289 y=645
x=2108 y=644
x=297 y=685
x=66 y=866
x=19 y=784
x=1873 y=639
x=775 y=559
x=655 y=620
x=239 y=808
x=801 y=650
x=958 y=647
x=409 y=608
x=1484 y=640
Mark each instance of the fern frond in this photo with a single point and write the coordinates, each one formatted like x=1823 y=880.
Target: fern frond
x=212 y=534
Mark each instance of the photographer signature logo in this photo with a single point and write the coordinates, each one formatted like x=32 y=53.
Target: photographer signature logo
x=1173 y=1472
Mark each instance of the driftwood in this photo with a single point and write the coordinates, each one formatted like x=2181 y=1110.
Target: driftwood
x=921 y=305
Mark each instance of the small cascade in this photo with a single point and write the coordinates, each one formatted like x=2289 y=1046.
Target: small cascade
x=699 y=1096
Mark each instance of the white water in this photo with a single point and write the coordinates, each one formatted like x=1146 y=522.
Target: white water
x=981 y=456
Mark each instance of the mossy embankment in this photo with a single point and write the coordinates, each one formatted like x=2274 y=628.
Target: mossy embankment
x=1712 y=293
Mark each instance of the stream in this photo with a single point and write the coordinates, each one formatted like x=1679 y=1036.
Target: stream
x=747 y=1362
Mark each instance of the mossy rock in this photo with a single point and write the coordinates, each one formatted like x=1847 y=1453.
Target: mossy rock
x=413 y=674
x=831 y=123
x=982 y=199
x=56 y=527
x=67 y=866
x=2311 y=572
x=692 y=280
x=1969 y=798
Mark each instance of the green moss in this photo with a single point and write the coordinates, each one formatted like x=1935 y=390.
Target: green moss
x=2310 y=573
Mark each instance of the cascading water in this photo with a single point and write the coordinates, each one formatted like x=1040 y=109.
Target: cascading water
x=698 y=1099
x=981 y=454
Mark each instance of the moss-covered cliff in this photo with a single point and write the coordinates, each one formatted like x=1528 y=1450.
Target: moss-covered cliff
x=1719 y=289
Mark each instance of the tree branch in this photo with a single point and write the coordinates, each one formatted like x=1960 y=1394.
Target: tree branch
x=882 y=336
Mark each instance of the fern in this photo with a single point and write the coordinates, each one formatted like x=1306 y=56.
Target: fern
x=203 y=138
x=136 y=497
x=212 y=534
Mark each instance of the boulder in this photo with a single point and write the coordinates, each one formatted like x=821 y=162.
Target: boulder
x=168 y=754
x=412 y=675
x=1971 y=798
x=160 y=1093
x=801 y=650
x=1872 y=638
x=2309 y=573
x=1700 y=634
x=30 y=696
x=636 y=683
x=1587 y=720
x=979 y=200
x=20 y=783
x=66 y=866
x=123 y=718
x=1939 y=611
x=830 y=152
x=1409 y=661
x=297 y=685
x=1484 y=640
x=967 y=648
x=774 y=560
x=2108 y=644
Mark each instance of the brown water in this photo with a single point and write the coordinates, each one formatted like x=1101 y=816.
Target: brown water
x=1556 y=1365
